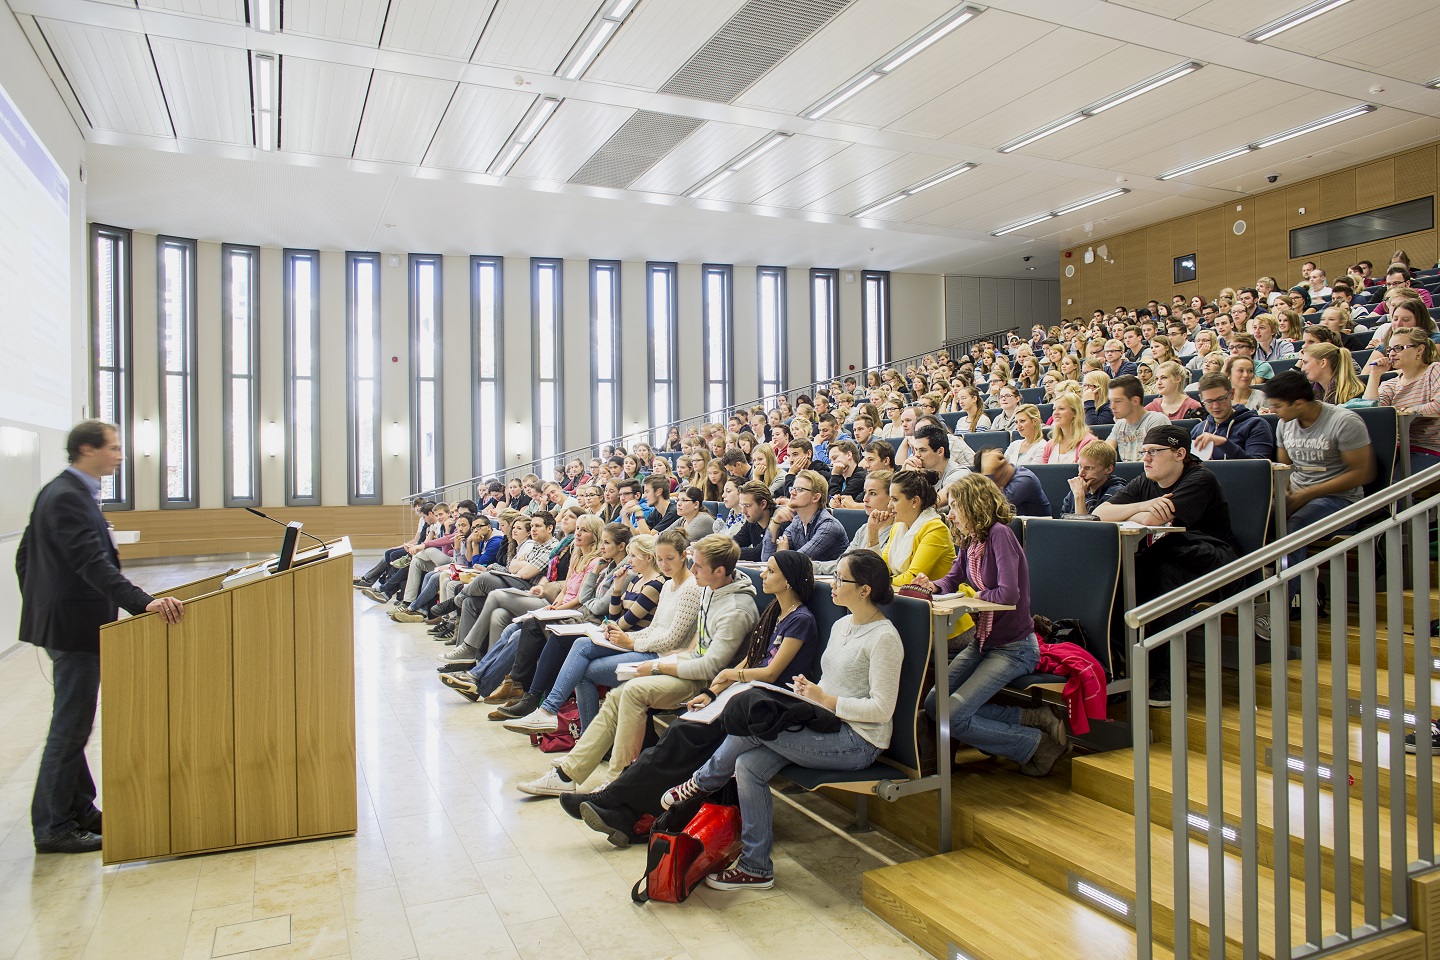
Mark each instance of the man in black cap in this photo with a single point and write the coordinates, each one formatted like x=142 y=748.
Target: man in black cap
x=1177 y=490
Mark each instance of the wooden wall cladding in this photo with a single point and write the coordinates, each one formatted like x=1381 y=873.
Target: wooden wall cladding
x=1143 y=259
x=190 y=533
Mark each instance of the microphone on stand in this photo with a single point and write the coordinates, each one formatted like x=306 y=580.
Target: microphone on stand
x=282 y=523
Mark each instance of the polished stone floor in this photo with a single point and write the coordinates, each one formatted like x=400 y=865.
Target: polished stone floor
x=449 y=861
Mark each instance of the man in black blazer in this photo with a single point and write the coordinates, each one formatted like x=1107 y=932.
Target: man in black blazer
x=70 y=584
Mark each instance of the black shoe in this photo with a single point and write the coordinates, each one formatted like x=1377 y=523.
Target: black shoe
x=1159 y=693
x=454 y=668
x=76 y=841
x=443 y=632
x=613 y=823
x=91 y=822
x=461 y=684
x=523 y=707
x=570 y=803
x=443 y=609
x=1434 y=739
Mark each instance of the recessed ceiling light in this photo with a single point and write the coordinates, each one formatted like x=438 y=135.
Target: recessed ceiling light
x=528 y=129
x=1093 y=200
x=840 y=96
x=1023 y=224
x=1350 y=114
x=738 y=163
x=596 y=36
x=1040 y=134
x=939 y=178
x=1218 y=158
x=1300 y=16
x=866 y=211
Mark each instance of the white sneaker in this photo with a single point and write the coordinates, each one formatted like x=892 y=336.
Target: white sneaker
x=538 y=721
x=459 y=654
x=548 y=784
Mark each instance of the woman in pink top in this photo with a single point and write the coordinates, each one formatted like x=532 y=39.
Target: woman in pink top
x=1171 y=381
x=1416 y=390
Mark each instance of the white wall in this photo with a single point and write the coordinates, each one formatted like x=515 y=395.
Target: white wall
x=30 y=88
x=917 y=326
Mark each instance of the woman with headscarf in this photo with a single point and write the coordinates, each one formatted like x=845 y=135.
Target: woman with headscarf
x=784 y=644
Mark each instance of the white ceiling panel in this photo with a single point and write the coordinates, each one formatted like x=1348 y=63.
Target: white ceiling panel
x=828 y=176
x=1407 y=54
x=962 y=191
x=476 y=125
x=355 y=21
x=1085 y=84
x=1335 y=29
x=860 y=35
x=1239 y=17
x=401 y=115
x=320 y=106
x=657 y=39
x=207 y=88
x=445 y=28
x=113 y=76
x=534 y=34
x=780 y=165
x=973 y=48
x=571 y=137
x=701 y=154
x=1170 y=9
x=1012 y=199
x=215 y=9
x=900 y=173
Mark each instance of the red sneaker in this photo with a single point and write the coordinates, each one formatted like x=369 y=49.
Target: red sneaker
x=733 y=878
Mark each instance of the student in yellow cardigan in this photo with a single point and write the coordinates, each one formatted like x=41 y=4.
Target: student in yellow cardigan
x=920 y=540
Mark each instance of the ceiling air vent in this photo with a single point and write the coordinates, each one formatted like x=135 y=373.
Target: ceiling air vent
x=633 y=149
x=760 y=35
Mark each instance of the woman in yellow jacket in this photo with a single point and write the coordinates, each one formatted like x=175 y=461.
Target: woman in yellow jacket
x=920 y=540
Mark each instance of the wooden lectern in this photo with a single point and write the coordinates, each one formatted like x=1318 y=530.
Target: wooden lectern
x=236 y=726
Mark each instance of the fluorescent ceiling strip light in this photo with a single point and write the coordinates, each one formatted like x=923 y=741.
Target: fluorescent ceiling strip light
x=754 y=153
x=866 y=211
x=1085 y=203
x=939 y=178
x=600 y=35
x=929 y=38
x=620 y=9
x=264 y=96
x=501 y=167
x=1154 y=83
x=1191 y=168
x=1350 y=114
x=1025 y=141
x=531 y=128
x=1023 y=224
x=1303 y=15
x=845 y=93
x=262 y=15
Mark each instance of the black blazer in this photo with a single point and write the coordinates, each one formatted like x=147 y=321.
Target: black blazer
x=69 y=569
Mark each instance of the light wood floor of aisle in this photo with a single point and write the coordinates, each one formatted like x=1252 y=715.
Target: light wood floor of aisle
x=450 y=861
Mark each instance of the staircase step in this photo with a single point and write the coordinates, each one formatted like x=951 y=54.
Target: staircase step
x=991 y=911
x=1327 y=647
x=1109 y=778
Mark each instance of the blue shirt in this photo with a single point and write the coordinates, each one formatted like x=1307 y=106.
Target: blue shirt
x=1026 y=494
x=822 y=539
x=91 y=483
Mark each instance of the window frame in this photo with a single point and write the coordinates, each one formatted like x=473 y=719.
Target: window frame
x=661 y=420
x=437 y=379
x=830 y=350
x=123 y=401
x=882 y=322
x=228 y=251
x=603 y=432
x=289 y=256
x=495 y=440
x=354 y=496
x=726 y=381
x=782 y=355
x=189 y=435
x=537 y=266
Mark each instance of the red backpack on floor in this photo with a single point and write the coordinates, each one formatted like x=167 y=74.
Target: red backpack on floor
x=567 y=731
x=680 y=860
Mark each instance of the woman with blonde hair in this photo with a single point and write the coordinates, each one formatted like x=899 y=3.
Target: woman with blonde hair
x=1030 y=448
x=1332 y=371
x=764 y=466
x=991 y=563
x=1206 y=343
x=1070 y=434
x=1171 y=381
x=1095 y=394
x=972 y=411
x=1029 y=375
x=1416 y=390
x=1070 y=367
x=1241 y=371
x=1161 y=350
x=1289 y=325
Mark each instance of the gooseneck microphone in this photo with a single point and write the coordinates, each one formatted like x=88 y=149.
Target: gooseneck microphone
x=284 y=524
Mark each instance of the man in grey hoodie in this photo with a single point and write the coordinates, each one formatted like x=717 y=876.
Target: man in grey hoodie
x=727 y=615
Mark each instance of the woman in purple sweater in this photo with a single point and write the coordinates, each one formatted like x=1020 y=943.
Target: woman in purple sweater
x=992 y=562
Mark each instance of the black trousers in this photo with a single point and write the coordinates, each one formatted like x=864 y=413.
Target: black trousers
x=64 y=789
x=679 y=753
x=1167 y=564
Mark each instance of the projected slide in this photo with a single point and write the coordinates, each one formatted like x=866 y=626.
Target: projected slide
x=34 y=277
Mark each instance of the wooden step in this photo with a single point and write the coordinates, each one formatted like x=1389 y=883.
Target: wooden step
x=1109 y=778
x=1353 y=644
x=991 y=911
x=1325 y=686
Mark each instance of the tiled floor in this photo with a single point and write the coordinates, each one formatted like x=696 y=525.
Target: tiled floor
x=449 y=861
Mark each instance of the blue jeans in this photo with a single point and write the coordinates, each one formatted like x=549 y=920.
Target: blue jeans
x=429 y=590
x=975 y=677
x=586 y=668
x=375 y=573
x=753 y=762
x=1317 y=509
x=1421 y=461
x=491 y=669
x=64 y=789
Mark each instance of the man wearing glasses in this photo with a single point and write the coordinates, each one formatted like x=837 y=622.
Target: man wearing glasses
x=1176 y=490
x=804 y=524
x=1115 y=363
x=1397 y=277
x=1230 y=432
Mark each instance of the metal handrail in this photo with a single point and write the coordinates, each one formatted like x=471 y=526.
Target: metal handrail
x=950 y=347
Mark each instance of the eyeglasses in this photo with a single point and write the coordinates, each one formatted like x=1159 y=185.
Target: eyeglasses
x=840 y=579
x=1404 y=346
x=1149 y=452
x=1214 y=400
x=801 y=490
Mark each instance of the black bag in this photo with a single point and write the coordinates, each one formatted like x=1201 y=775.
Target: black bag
x=762 y=713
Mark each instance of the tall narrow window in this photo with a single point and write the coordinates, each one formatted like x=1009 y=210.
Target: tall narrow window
x=362 y=327
x=825 y=322
x=240 y=330
x=660 y=309
x=110 y=350
x=487 y=330
x=719 y=321
x=546 y=311
x=425 y=364
x=605 y=346
x=875 y=316
x=176 y=266
x=302 y=377
x=770 y=289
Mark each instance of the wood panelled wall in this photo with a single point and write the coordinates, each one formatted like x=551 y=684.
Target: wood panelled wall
x=1140 y=263
x=205 y=532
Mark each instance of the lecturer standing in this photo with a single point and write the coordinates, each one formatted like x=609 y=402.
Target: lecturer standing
x=70 y=585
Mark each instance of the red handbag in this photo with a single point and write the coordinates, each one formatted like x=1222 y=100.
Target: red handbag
x=679 y=861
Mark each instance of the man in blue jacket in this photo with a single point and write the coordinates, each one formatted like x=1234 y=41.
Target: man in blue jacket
x=1228 y=431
